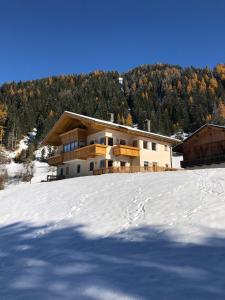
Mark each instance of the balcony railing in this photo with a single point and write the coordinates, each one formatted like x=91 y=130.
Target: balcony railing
x=85 y=152
x=55 y=160
x=131 y=169
x=80 y=153
x=203 y=161
x=126 y=151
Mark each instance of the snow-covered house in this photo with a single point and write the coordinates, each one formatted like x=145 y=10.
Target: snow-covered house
x=87 y=146
x=206 y=146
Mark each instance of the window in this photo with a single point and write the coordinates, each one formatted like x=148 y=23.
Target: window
x=66 y=148
x=110 y=163
x=92 y=142
x=81 y=144
x=91 y=166
x=122 y=163
x=135 y=143
x=110 y=141
x=102 y=163
x=166 y=147
x=122 y=142
x=102 y=141
x=154 y=146
x=78 y=169
x=67 y=171
x=146 y=165
x=72 y=146
x=145 y=145
x=61 y=172
x=167 y=166
x=75 y=144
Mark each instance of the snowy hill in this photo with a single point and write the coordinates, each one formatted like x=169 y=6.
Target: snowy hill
x=118 y=236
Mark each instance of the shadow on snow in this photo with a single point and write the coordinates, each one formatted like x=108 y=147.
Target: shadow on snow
x=63 y=263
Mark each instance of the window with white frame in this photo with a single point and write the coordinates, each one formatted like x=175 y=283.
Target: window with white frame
x=123 y=164
x=145 y=144
x=146 y=165
x=154 y=147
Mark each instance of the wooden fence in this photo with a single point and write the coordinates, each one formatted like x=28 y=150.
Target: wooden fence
x=132 y=169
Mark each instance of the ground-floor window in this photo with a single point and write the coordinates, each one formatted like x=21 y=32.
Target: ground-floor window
x=61 y=172
x=67 y=171
x=110 y=163
x=78 y=169
x=122 y=163
x=102 y=163
x=91 y=166
x=146 y=165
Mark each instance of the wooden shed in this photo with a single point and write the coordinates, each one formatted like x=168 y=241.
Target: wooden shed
x=205 y=146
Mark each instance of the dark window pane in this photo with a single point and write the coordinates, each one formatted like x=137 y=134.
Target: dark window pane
x=91 y=166
x=145 y=145
x=110 y=141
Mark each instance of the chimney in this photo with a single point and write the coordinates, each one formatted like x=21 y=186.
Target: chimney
x=148 y=125
x=111 y=117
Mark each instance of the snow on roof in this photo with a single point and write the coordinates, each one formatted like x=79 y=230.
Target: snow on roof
x=156 y=135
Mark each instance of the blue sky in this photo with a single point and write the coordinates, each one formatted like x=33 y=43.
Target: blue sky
x=39 y=38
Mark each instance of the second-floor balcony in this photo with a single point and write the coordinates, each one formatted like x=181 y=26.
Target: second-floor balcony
x=125 y=150
x=85 y=152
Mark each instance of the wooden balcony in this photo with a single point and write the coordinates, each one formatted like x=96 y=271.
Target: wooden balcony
x=126 y=151
x=85 y=152
x=55 y=160
x=80 y=153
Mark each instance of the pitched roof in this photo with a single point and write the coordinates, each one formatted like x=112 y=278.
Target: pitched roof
x=108 y=124
x=178 y=147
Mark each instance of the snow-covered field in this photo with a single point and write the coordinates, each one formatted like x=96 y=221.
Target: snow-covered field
x=117 y=236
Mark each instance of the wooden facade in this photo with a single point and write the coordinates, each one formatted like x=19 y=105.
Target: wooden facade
x=204 y=147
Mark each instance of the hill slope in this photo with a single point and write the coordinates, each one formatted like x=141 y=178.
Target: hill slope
x=173 y=98
x=119 y=236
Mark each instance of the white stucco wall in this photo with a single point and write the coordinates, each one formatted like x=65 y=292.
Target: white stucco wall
x=160 y=156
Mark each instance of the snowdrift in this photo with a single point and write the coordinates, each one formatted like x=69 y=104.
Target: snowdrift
x=117 y=236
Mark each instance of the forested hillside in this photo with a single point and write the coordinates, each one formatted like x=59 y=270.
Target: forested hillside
x=173 y=98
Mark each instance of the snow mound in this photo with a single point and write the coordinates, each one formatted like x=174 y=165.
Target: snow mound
x=116 y=236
